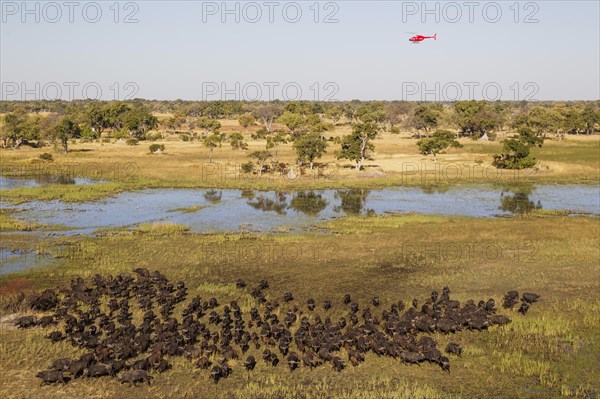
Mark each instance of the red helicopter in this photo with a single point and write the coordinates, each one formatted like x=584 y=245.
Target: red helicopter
x=419 y=38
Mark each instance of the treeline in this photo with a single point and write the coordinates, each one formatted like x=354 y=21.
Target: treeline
x=470 y=117
x=304 y=124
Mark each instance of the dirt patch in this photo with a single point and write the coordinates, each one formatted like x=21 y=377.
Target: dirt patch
x=8 y=322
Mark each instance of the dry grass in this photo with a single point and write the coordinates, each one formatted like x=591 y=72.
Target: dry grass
x=396 y=161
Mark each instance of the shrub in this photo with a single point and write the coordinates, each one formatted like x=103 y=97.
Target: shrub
x=46 y=156
x=260 y=134
x=281 y=168
x=248 y=167
x=106 y=140
x=153 y=136
x=186 y=137
x=119 y=134
x=157 y=147
x=516 y=151
x=131 y=141
x=87 y=133
x=395 y=130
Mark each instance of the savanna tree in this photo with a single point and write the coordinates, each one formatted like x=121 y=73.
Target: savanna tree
x=309 y=146
x=436 y=144
x=516 y=152
x=213 y=141
x=65 y=130
x=236 y=139
x=261 y=158
x=246 y=120
x=357 y=145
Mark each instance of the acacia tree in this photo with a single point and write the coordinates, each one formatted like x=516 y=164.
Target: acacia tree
x=211 y=142
x=174 y=122
x=334 y=113
x=476 y=118
x=309 y=147
x=139 y=121
x=208 y=125
x=291 y=120
x=591 y=118
x=95 y=117
x=236 y=139
x=274 y=141
x=65 y=130
x=113 y=113
x=440 y=140
x=539 y=120
x=261 y=158
x=355 y=146
x=396 y=112
x=18 y=128
x=425 y=117
x=267 y=113
x=246 y=120
x=372 y=112
x=516 y=152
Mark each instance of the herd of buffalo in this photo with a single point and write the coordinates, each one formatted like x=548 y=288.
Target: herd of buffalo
x=98 y=317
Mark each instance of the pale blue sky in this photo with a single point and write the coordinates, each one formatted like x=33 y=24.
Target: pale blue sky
x=171 y=53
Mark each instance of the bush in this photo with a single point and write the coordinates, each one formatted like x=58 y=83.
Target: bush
x=153 y=136
x=131 y=141
x=516 y=151
x=157 y=147
x=106 y=140
x=119 y=134
x=89 y=134
x=505 y=161
x=260 y=134
x=46 y=156
x=281 y=168
x=395 y=130
x=186 y=137
x=248 y=167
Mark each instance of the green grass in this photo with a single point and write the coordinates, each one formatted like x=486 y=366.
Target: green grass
x=11 y=224
x=190 y=209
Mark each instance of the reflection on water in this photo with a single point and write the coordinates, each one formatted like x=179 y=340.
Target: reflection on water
x=435 y=189
x=309 y=203
x=41 y=180
x=353 y=201
x=518 y=202
x=262 y=202
x=228 y=209
x=16 y=261
x=213 y=196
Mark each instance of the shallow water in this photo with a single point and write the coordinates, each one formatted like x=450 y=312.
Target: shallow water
x=232 y=210
x=42 y=180
x=17 y=261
